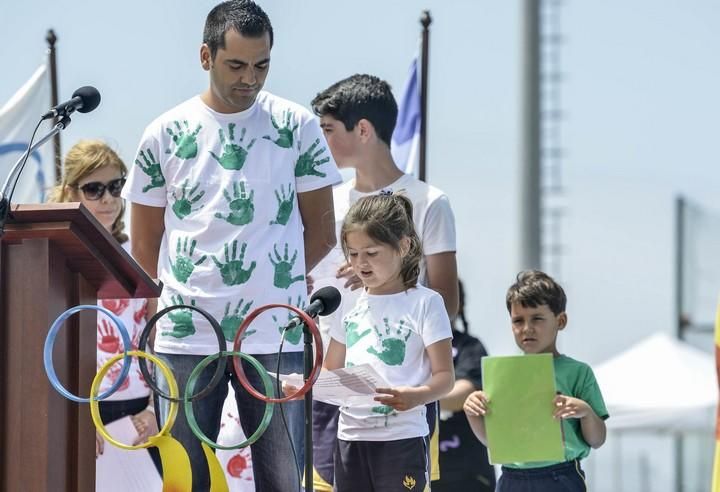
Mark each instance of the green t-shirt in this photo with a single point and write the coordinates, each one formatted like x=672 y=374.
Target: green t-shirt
x=576 y=379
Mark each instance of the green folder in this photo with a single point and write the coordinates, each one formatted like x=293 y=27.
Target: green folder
x=520 y=425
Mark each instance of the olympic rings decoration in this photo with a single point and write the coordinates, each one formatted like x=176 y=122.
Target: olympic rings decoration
x=240 y=374
x=50 y=342
x=219 y=370
x=190 y=386
x=172 y=413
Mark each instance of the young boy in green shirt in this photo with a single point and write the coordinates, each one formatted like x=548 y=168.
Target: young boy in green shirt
x=536 y=304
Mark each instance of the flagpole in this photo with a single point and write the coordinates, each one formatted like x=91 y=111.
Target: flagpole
x=425 y=20
x=51 y=38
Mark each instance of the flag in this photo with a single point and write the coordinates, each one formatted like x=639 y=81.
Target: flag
x=18 y=118
x=405 y=146
x=716 y=466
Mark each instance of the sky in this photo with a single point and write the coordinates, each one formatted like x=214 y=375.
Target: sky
x=639 y=93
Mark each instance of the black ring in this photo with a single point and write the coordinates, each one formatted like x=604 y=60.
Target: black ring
x=219 y=370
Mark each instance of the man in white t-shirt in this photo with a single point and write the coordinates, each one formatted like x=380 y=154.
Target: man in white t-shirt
x=231 y=206
x=358 y=116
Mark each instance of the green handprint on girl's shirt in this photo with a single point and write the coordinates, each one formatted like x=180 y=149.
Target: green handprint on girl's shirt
x=308 y=162
x=385 y=410
x=182 y=319
x=231 y=322
x=233 y=155
x=285 y=133
x=285 y=205
x=152 y=168
x=185 y=140
x=292 y=335
x=393 y=343
x=232 y=271
x=283 y=268
x=184 y=266
x=241 y=205
x=352 y=336
x=183 y=205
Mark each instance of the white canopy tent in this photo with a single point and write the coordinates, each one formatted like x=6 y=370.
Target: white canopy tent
x=660 y=384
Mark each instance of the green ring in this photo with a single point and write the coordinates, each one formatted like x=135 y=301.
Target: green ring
x=190 y=386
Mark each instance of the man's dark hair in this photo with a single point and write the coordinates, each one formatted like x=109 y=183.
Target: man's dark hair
x=358 y=97
x=244 y=16
x=534 y=288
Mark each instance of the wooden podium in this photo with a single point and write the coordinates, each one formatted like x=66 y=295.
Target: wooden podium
x=54 y=257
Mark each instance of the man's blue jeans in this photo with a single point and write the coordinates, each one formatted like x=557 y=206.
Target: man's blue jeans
x=272 y=454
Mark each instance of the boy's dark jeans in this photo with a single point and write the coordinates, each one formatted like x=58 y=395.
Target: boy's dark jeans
x=563 y=477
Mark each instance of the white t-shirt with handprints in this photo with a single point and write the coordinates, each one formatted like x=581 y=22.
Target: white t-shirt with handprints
x=391 y=333
x=233 y=237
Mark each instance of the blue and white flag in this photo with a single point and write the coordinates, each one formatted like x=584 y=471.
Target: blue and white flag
x=405 y=146
x=18 y=118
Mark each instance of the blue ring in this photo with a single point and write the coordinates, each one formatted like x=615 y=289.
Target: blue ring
x=50 y=342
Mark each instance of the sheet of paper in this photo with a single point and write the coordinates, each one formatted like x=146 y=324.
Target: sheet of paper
x=120 y=470
x=520 y=425
x=350 y=385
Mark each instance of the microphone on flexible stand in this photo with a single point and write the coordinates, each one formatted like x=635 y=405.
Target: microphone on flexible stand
x=323 y=302
x=84 y=100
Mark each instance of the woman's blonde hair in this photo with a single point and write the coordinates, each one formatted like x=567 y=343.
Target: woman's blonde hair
x=387 y=218
x=82 y=159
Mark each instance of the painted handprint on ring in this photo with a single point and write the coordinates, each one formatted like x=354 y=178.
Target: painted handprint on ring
x=185 y=140
x=241 y=205
x=182 y=319
x=283 y=268
x=308 y=162
x=233 y=155
x=285 y=133
x=231 y=322
x=232 y=271
x=285 y=205
x=184 y=265
x=393 y=343
x=183 y=205
x=151 y=167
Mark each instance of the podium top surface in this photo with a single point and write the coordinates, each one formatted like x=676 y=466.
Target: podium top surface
x=88 y=248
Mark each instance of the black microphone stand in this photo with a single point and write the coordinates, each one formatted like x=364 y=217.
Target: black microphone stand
x=14 y=174
x=308 y=365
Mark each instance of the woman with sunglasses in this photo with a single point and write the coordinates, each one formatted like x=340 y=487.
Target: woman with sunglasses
x=94 y=176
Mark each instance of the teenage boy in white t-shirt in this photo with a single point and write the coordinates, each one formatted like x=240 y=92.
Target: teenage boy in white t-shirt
x=231 y=205
x=357 y=116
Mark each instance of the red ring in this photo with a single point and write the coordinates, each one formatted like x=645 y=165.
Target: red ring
x=240 y=374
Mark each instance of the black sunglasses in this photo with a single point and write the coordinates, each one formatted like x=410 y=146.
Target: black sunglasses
x=95 y=189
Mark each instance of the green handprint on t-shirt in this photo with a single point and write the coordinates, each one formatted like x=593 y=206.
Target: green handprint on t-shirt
x=242 y=209
x=231 y=322
x=283 y=268
x=182 y=319
x=385 y=410
x=184 y=266
x=352 y=336
x=185 y=140
x=292 y=335
x=285 y=205
x=152 y=168
x=308 y=162
x=233 y=155
x=232 y=271
x=393 y=343
x=285 y=133
x=183 y=205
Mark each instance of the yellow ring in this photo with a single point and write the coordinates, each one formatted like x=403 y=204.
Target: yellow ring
x=95 y=409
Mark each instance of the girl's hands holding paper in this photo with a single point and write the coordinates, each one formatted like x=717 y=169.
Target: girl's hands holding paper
x=400 y=398
x=567 y=407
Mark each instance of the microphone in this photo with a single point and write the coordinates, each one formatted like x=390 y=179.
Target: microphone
x=84 y=100
x=323 y=302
